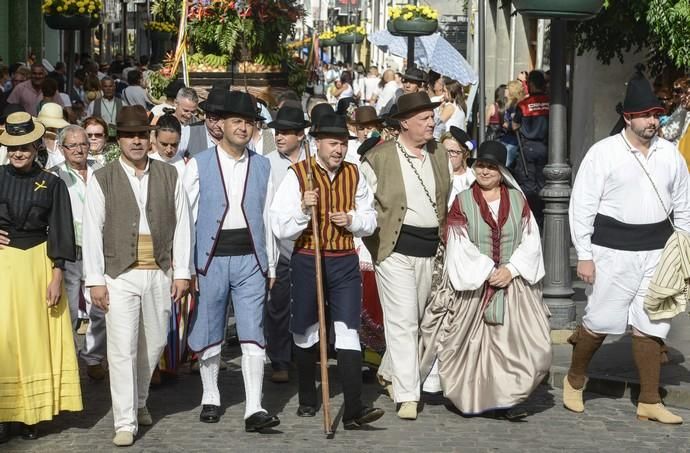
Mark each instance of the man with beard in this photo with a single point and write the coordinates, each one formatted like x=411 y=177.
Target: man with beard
x=410 y=177
x=208 y=133
x=627 y=187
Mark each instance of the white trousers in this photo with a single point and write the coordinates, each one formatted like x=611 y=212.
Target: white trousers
x=137 y=321
x=404 y=284
x=616 y=299
x=94 y=342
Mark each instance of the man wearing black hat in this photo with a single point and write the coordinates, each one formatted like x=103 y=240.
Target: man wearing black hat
x=289 y=128
x=344 y=205
x=137 y=248
x=230 y=189
x=626 y=190
x=207 y=134
x=413 y=80
x=411 y=180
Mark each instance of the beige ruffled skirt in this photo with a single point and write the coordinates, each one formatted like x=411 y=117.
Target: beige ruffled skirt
x=483 y=366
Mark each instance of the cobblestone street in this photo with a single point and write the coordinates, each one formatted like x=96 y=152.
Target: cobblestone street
x=608 y=425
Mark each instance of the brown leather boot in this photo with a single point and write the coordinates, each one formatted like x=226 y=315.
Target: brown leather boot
x=584 y=347
x=648 y=354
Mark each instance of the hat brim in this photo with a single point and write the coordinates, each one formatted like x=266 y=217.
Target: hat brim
x=288 y=125
x=53 y=122
x=649 y=110
x=412 y=79
x=19 y=140
x=369 y=121
x=472 y=160
x=333 y=131
x=136 y=128
x=419 y=108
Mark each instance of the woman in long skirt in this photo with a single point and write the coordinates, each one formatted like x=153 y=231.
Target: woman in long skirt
x=486 y=325
x=39 y=376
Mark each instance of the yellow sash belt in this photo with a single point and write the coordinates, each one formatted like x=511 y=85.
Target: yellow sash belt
x=145 y=258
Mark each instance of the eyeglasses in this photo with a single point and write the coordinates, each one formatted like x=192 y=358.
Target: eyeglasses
x=454 y=152
x=95 y=135
x=72 y=146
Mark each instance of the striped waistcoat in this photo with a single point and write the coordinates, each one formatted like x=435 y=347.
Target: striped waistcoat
x=334 y=196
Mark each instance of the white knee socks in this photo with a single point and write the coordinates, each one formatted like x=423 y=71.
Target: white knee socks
x=208 y=367
x=253 y=358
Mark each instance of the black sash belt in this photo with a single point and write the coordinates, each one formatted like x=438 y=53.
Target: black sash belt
x=417 y=241
x=614 y=234
x=235 y=242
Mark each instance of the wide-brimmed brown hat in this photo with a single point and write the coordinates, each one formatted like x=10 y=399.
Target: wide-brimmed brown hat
x=20 y=129
x=365 y=115
x=413 y=102
x=133 y=118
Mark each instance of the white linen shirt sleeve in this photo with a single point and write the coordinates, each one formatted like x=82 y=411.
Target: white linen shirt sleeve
x=680 y=197
x=92 y=234
x=364 y=215
x=584 y=203
x=190 y=181
x=272 y=250
x=286 y=215
x=527 y=259
x=369 y=176
x=467 y=267
x=183 y=237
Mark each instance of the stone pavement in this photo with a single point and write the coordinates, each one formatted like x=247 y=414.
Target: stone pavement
x=612 y=370
x=608 y=425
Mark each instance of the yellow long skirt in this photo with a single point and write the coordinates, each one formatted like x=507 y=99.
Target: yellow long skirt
x=39 y=375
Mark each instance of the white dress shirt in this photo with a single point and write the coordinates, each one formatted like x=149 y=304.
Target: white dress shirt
x=76 y=186
x=390 y=93
x=420 y=212
x=288 y=220
x=94 y=219
x=234 y=173
x=611 y=182
x=177 y=161
x=280 y=164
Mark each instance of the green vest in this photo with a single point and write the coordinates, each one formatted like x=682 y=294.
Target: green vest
x=481 y=235
x=121 y=226
x=390 y=200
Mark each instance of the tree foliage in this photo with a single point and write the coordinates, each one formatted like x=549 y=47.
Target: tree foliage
x=661 y=27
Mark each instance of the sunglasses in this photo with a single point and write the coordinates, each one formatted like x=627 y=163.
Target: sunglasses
x=95 y=135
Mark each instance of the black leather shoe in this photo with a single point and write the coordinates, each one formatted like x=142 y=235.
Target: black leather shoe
x=366 y=415
x=210 y=413
x=513 y=414
x=29 y=432
x=5 y=428
x=306 y=411
x=260 y=420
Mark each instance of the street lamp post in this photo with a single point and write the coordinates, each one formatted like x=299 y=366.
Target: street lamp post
x=558 y=290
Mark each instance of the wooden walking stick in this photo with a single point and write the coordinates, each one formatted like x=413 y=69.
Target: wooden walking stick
x=323 y=339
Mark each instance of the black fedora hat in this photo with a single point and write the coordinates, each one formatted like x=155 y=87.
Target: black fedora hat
x=172 y=88
x=388 y=121
x=413 y=102
x=461 y=137
x=491 y=151
x=289 y=118
x=331 y=124
x=242 y=104
x=414 y=74
x=215 y=102
x=319 y=111
x=640 y=98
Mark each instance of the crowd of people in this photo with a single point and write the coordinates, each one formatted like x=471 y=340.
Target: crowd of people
x=156 y=222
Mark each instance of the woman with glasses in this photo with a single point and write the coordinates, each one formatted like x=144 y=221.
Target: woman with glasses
x=39 y=376
x=459 y=147
x=96 y=131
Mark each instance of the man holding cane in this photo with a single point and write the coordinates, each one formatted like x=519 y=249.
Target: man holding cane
x=344 y=206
